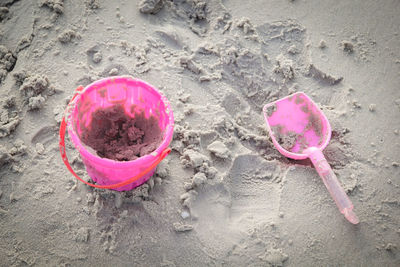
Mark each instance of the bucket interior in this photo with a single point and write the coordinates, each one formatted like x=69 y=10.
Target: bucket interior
x=135 y=96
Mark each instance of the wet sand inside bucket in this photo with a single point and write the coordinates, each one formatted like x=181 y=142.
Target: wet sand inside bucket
x=115 y=135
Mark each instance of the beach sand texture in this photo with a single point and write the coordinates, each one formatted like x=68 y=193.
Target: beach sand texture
x=224 y=196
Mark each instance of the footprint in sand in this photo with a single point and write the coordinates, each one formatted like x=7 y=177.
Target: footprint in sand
x=250 y=192
x=247 y=196
x=45 y=135
x=253 y=183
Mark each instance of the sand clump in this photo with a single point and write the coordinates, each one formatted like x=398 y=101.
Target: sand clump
x=322 y=44
x=68 y=36
x=193 y=159
x=347 y=46
x=97 y=57
x=4 y=156
x=270 y=110
x=11 y=157
x=34 y=88
x=54 y=5
x=321 y=76
x=287 y=140
x=92 y=4
x=199 y=179
x=179 y=227
x=219 y=149
x=9 y=118
x=284 y=66
x=151 y=6
x=7 y=61
x=95 y=54
x=8 y=126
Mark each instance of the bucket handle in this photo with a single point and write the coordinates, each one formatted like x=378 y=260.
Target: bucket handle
x=63 y=127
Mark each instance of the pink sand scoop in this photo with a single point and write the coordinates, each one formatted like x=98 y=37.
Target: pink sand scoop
x=300 y=130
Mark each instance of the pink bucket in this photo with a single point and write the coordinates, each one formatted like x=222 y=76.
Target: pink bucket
x=105 y=93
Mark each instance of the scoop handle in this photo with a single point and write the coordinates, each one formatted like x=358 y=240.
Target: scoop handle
x=332 y=184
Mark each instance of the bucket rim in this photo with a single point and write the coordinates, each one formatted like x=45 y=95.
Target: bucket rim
x=88 y=155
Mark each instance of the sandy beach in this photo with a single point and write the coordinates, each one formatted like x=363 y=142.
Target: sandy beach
x=224 y=196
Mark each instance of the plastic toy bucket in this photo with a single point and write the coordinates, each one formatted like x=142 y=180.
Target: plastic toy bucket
x=135 y=96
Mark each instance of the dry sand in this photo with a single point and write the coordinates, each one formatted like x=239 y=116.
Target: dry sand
x=224 y=196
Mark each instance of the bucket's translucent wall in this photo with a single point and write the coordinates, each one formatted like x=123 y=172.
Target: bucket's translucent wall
x=134 y=96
